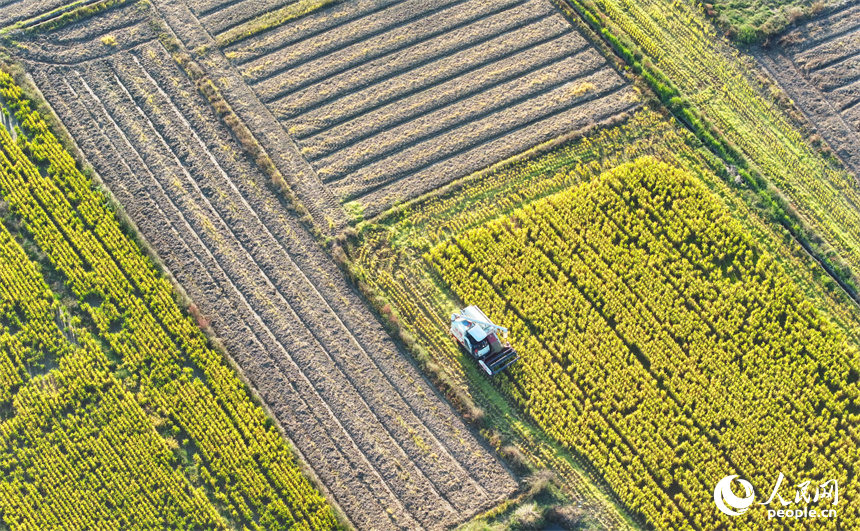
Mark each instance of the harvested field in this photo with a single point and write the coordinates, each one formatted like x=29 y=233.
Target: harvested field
x=389 y=450
x=12 y=11
x=127 y=25
x=388 y=100
x=818 y=65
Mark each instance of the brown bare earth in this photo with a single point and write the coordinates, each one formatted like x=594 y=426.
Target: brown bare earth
x=387 y=100
x=818 y=65
x=390 y=451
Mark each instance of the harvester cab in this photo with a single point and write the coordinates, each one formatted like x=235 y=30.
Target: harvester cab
x=479 y=337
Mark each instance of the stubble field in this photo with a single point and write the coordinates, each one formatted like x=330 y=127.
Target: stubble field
x=391 y=100
x=818 y=65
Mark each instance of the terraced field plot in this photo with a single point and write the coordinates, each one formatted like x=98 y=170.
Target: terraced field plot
x=390 y=99
x=389 y=450
x=818 y=65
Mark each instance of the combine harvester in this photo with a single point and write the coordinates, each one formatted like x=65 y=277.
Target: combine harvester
x=477 y=335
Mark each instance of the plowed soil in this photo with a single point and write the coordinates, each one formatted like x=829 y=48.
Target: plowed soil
x=391 y=452
x=390 y=99
x=818 y=65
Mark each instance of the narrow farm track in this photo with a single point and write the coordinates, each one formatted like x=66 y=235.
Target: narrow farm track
x=306 y=27
x=233 y=14
x=386 y=447
x=818 y=65
x=12 y=11
x=398 y=98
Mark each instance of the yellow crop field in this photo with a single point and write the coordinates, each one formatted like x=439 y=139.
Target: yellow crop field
x=661 y=342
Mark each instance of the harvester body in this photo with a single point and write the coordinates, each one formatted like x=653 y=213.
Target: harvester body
x=479 y=337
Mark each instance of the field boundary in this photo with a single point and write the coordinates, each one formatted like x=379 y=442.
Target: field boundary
x=666 y=92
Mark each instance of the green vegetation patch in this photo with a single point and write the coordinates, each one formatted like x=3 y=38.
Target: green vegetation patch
x=712 y=88
x=755 y=20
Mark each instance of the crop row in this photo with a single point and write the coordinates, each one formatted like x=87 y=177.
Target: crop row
x=340 y=389
x=715 y=81
x=391 y=55
x=303 y=28
x=478 y=145
x=679 y=352
x=242 y=459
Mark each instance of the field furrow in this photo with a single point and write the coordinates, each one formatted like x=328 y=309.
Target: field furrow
x=368 y=38
x=231 y=14
x=441 y=60
x=434 y=92
x=838 y=75
x=846 y=96
x=818 y=65
x=823 y=30
x=361 y=145
x=377 y=196
x=530 y=69
x=384 y=438
x=437 y=41
x=447 y=143
x=114 y=20
x=830 y=53
x=303 y=28
x=417 y=92
x=85 y=44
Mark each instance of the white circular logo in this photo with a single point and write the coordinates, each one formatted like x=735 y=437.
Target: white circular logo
x=725 y=498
